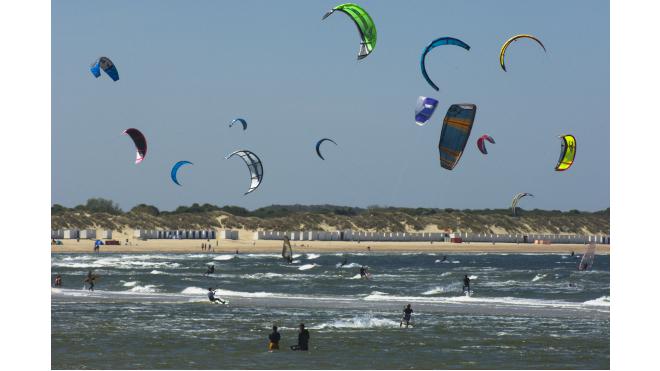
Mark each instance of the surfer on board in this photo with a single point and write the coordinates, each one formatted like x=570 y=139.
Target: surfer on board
x=303 y=339
x=212 y=297
x=407 y=314
x=274 y=340
x=210 y=270
x=363 y=272
x=466 y=284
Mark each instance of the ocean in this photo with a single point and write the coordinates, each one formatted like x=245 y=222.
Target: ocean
x=530 y=311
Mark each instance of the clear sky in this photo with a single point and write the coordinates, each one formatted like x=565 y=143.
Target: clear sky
x=188 y=68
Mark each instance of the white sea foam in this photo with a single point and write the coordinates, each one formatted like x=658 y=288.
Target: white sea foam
x=454 y=287
x=144 y=289
x=258 y=276
x=359 y=322
x=307 y=266
x=356 y=277
x=445 y=274
x=603 y=301
x=349 y=265
x=312 y=256
x=129 y=284
x=224 y=257
x=473 y=277
x=538 y=277
x=157 y=272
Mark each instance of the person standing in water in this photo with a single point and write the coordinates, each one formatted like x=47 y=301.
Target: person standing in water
x=274 y=340
x=466 y=284
x=90 y=280
x=407 y=315
x=210 y=270
x=212 y=298
x=58 y=280
x=363 y=272
x=303 y=339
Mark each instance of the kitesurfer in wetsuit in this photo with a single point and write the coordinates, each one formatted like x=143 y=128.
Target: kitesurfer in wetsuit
x=58 y=280
x=407 y=313
x=466 y=284
x=90 y=280
x=274 y=340
x=212 y=297
x=345 y=261
x=444 y=258
x=210 y=270
x=303 y=339
x=363 y=272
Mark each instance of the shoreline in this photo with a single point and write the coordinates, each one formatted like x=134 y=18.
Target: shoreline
x=274 y=246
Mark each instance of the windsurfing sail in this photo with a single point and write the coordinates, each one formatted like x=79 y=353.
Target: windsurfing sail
x=254 y=165
x=567 y=155
x=587 y=260
x=456 y=130
x=424 y=110
x=365 y=25
x=508 y=42
x=287 y=253
x=140 y=143
x=105 y=64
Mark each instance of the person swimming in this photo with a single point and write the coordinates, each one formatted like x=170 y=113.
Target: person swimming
x=274 y=340
x=210 y=270
x=213 y=299
x=407 y=315
x=466 y=284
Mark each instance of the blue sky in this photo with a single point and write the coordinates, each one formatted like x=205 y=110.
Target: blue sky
x=188 y=68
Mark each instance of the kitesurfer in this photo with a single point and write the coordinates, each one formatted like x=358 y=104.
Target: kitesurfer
x=345 y=261
x=212 y=298
x=58 y=280
x=303 y=339
x=363 y=272
x=210 y=270
x=407 y=313
x=444 y=258
x=466 y=284
x=274 y=340
x=572 y=253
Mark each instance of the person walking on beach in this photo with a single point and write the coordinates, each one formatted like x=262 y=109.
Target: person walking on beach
x=58 y=280
x=274 y=340
x=303 y=339
x=212 y=297
x=466 y=284
x=407 y=315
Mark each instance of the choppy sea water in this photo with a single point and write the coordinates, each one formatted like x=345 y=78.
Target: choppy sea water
x=151 y=311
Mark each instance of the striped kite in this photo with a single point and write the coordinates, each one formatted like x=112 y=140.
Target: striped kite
x=516 y=199
x=424 y=110
x=254 y=165
x=455 y=133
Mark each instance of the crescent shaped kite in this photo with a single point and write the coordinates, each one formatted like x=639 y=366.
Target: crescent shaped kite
x=140 y=143
x=175 y=169
x=365 y=25
x=435 y=43
x=482 y=145
x=318 y=146
x=242 y=121
x=516 y=199
x=567 y=155
x=254 y=165
x=105 y=64
x=508 y=42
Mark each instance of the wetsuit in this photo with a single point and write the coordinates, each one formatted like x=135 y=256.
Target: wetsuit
x=466 y=284
x=407 y=313
x=213 y=299
x=210 y=269
x=303 y=340
x=363 y=272
x=274 y=341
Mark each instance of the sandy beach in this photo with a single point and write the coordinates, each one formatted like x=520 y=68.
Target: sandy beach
x=271 y=246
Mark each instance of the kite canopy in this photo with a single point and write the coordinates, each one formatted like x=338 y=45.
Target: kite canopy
x=424 y=110
x=567 y=155
x=482 y=145
x=140 y=143
x=105 y=64
x=516 y=199
x=508 y=42
x=242 y=121
x=434 y=44
x=175 y=169
x=254 y=165
x=318 y=146
x=364 y=23
x=455 y=133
